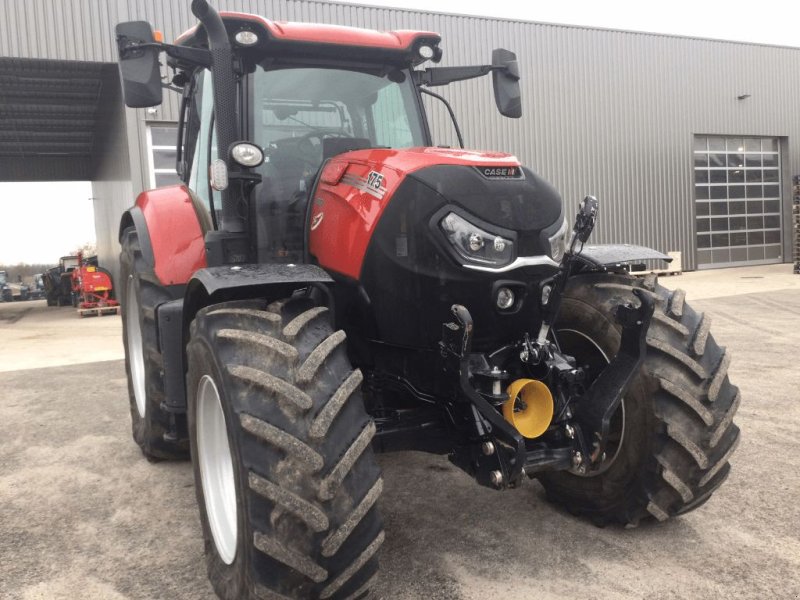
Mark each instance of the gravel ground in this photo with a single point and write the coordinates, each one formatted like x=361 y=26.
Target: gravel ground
x=83 y=515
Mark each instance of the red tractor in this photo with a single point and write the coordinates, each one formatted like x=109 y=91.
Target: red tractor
x=328 y=284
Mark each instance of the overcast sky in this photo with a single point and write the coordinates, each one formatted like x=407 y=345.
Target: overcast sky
x=50 y=220
x=762 y=21
x=44 y=221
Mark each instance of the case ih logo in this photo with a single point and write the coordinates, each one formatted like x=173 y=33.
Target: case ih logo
x=501 y=172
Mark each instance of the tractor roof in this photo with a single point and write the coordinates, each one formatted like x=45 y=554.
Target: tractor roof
x=311 y=40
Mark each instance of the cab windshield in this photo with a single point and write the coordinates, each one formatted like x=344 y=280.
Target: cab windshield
x=302 y=116
x=70 y=262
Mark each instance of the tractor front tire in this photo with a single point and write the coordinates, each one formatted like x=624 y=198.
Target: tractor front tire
x=675 y=426
x=285 y=477
x=159 y=434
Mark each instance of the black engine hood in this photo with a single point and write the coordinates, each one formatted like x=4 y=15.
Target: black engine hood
x=526 y=204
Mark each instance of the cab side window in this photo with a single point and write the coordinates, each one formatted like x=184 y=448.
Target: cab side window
x=390 y=116
x=203 y=148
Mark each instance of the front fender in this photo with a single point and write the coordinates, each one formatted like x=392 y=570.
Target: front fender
x=219 y=284
x=238 y=282
x=215 y=279
x=604 y=256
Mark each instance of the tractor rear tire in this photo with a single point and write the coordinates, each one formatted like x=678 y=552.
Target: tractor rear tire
x=299 y=483
x=140 y=295
x=677 y=430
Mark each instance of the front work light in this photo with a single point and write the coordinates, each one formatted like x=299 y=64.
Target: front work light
x=246 y=38
x=476 y=245
x=247 y=154
x=426 y=52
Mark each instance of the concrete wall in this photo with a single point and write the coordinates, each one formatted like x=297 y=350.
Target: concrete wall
x=111 y=188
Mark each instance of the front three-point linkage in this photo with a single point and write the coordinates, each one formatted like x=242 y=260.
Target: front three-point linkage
x=495 y=450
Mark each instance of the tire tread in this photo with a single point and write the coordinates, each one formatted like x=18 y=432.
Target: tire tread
x=306 y=436
x=685 y=379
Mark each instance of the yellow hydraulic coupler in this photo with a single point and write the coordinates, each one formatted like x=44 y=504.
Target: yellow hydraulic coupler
x=529 y=407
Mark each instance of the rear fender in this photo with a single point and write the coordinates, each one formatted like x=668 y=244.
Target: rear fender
x=133 y=217
x=220 y=284
x=170 y=233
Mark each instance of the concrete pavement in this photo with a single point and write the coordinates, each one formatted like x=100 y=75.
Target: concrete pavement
x=33 y=335
x=82 y=514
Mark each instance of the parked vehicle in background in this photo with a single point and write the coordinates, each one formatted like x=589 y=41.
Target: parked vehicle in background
x=5 y=289
x=10 y=291
x=58 y=282
x=37 y=291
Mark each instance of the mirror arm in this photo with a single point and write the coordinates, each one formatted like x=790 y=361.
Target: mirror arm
x=194 y=56
x=199 y=57
x=436 y=76
x=127 y=47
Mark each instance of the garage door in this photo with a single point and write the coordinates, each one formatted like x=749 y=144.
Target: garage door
x=738 y=200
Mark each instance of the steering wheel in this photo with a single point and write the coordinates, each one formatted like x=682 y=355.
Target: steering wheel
x=309 y=150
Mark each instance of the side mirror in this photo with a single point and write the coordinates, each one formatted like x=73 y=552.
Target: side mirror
x=138 y=64
x=506 y=83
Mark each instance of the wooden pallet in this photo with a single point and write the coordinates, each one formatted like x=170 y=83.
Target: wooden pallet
x=661 y=273
x=98 y=311
x=674 y=268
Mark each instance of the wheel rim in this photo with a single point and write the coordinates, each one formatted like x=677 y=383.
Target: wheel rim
x=135 y=352
x=216 y=469
x=587 y=351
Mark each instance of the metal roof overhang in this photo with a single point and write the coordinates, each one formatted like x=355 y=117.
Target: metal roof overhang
x=49 y=118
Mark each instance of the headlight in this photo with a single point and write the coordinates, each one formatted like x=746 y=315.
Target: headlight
x=558 y=242
x=476 y=245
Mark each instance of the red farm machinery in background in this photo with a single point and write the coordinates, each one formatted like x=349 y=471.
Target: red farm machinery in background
x=92 y=289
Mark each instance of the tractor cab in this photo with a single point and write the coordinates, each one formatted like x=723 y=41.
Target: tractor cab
x=68 y=264
x=300 y=95
x=300 y=108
